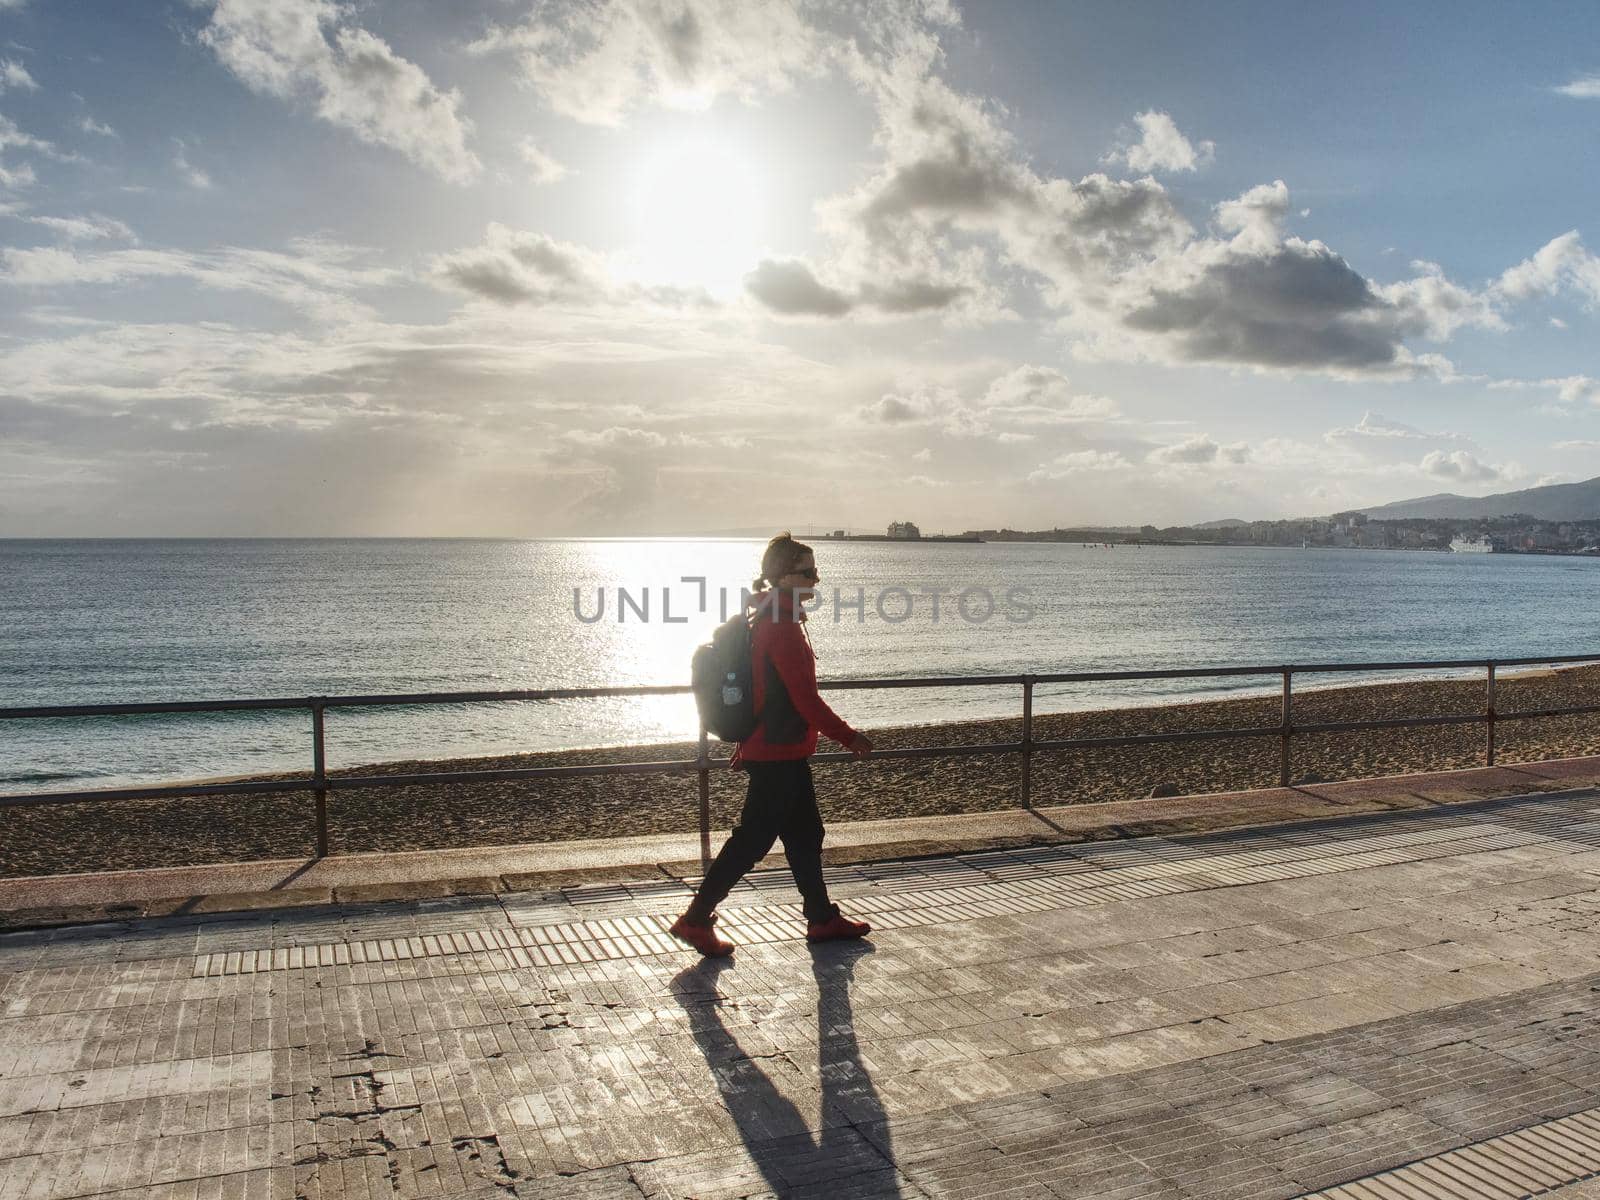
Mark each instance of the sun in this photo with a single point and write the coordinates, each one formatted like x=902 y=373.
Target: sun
x=697 y=208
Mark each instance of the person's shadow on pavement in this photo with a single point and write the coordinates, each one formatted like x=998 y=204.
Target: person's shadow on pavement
x=853 y=1144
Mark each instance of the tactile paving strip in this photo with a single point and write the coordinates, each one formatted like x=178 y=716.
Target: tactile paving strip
x=983 y=885
x=525 y=946
x=1534 y=1161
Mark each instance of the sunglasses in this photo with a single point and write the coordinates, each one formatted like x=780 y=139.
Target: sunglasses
x=807 y=572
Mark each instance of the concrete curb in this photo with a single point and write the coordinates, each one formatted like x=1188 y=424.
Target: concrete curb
x=47 y=900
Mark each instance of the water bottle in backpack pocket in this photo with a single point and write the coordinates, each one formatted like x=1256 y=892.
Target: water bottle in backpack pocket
x=720 y=676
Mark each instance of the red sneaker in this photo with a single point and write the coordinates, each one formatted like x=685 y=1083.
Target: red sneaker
x=836 y=926
x=701 y=936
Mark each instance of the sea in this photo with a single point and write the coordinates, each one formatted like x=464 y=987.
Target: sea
x=113 y=621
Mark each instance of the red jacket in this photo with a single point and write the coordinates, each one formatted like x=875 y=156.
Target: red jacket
x=789 y=716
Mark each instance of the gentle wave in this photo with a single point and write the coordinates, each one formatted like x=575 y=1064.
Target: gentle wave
x=46 y=776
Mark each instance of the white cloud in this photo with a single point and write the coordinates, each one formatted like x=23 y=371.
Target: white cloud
x=18 y=177
x=90 y=125
x=932 y=405
x=946 y=155
x=542 y=167
x=1576 y=389
x=1569 y=389
x=1016 y=406
x=597 y=61
x=315 y=278
x=195 y=177
x=1161 y=147
x=906 y=239
x=916 y=404
x=1079 y=462
x=1578 y=444
x=1377 y=440
x=297 y=49
x=1029 y=385
x=1376 y=426
x=953 y=216
x=1461 y=466
x=1042 y=395
x=951 y=175
x=15 y=75
x=1123 y=267
x=616 y=437
x=948 y=219
x=1560 y=264
x=464 y=417
x=85 y=229
x=1257 y=216
x=13 y=138
x=1199 y=449
x=1585 y=87
x=375 y=427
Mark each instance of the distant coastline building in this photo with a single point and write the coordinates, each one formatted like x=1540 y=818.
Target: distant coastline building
x=904 y=530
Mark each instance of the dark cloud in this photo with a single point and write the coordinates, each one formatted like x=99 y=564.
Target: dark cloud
x=958 y=180
x=682 y=40
x=512 y=266
x=897 y=410
x=1117 y=215
x=913 y=296
x=787 y=286
x=1300 y=305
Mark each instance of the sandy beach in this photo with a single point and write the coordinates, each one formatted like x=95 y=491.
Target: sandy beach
x=51 y=839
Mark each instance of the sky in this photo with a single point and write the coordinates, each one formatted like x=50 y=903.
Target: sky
x=630 y=267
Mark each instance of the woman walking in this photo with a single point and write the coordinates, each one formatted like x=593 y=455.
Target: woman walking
x=780 y=801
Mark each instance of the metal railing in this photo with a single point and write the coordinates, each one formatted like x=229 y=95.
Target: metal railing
x=321 y=783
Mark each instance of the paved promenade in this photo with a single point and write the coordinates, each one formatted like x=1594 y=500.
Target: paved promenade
x=1386 y=1005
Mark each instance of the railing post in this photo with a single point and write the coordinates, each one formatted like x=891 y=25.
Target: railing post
x=1027 y=741
x=1288 y=730
x=1488 y=744
x=703 y=770
x=319 y=773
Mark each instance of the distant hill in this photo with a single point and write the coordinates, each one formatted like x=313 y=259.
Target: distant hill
x=1555 y=502
x=1225 y=523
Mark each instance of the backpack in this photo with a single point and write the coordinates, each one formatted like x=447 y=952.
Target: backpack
x=720 y=674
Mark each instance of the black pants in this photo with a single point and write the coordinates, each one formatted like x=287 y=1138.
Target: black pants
x=780 y=803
